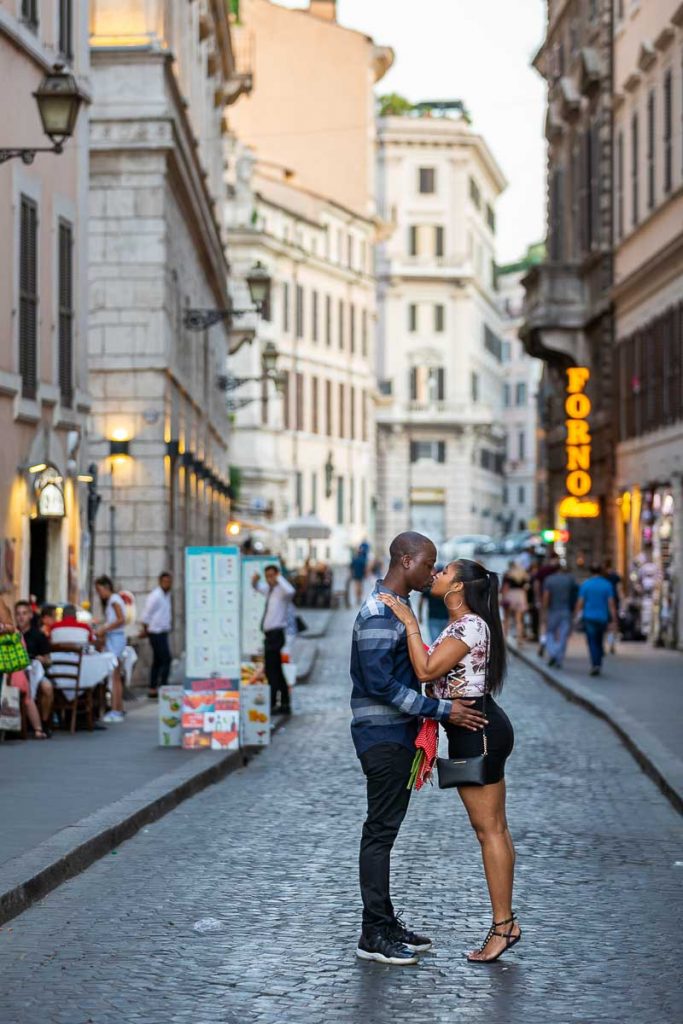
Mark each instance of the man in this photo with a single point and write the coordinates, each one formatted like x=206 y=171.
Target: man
x=70 y=621
x=538 y=577
x=38 y=648
x=279 y=594
x=615 y=579
x=48 y=617
x=387 y=703
x=359 y=568
x=156 y=625
x=596 y=604
x=559 y=597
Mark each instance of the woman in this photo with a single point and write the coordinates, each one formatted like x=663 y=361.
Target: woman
x=21 y=679
x=466 y=661
x=515 y=601
x=112 y=632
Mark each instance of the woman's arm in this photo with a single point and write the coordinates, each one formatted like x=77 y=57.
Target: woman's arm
x=449 y=652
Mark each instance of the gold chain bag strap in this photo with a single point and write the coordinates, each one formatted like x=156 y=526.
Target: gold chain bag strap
x=469 y=771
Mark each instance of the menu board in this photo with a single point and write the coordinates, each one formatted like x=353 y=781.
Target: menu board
x=253 y=603
x=254 y=707
x=212 y=612
x=211 y=714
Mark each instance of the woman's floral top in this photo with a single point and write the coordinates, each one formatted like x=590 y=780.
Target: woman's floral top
x=468 y=677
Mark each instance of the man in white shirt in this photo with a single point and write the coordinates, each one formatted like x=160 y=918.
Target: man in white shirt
x=156 y=625
x=278 y=593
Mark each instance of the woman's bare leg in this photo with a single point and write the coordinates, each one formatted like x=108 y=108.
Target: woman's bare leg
x=485 y=806
x=116 y=690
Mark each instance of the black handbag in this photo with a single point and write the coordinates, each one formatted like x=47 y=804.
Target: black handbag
x=468 y=771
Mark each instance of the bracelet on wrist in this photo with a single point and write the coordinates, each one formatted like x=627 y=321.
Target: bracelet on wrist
x=415 y=632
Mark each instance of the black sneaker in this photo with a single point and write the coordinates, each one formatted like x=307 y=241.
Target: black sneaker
x=380 y=946
x=411 y=940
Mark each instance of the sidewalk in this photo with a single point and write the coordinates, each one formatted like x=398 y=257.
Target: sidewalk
x=66 y=801
x=639 y=693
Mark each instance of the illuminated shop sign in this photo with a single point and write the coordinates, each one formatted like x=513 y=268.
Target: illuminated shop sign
x=578 y=482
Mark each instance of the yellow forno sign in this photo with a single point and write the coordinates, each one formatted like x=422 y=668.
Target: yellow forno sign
x=577 y=406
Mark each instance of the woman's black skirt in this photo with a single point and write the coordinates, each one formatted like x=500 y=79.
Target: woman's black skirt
x=463 y=743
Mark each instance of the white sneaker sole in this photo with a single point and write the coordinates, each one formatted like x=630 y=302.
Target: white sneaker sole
x=380 y=958
x=419 y=949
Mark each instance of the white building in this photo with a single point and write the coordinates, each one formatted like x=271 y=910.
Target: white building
x=439 y=433
x=308 y=448
x=520 y=404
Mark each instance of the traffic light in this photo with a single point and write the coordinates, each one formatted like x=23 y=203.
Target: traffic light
x=555 y=536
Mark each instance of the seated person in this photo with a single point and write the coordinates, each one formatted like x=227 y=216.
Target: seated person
x=48 y=617
x=69 y=621
x=26 y=681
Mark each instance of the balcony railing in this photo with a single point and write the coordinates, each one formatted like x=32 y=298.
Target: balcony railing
x=555 y=311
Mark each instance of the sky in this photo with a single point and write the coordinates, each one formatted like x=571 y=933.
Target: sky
x=478 y=51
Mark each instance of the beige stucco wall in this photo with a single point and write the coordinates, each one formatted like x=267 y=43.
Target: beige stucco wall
x=312 y=107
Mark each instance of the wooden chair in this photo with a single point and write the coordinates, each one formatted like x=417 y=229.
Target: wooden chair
x=64 y=673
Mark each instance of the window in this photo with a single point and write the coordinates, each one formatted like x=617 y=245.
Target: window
x=668 y=133
x=340 y=500
x=506 y=395
x=427 y=384
x=314 y=315
x=492 y=343
x=352 y=326
x=28 y=298
x=66 y=29
x=427 y=180
x=475 y=194
x=620 y=185
x=66 y=313
x=634 y=171
x=521 y=445
x=299 y=492
x=364 y=332
x=490 y=217
x=342 y=410
x=340 y=314
x=651 y=150
x=364 y=414
x=315 y=425
x=412 y=240
x=299 y=401
x=412 y=317
x=521 y=494
x=29 y=13
x=434 y=450
x=286 y=390
x=505 y=494
x=352 y=422
x=328 y=321
x=505 y=352
x=438 y=240
x=314 y=492
x=285 y=306
x=439 y=318
x=474 y=386
x=299 y=312
x=386 y=387
x=328 y=408
x=520 y=393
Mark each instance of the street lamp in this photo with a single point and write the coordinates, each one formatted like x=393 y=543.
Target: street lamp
x=269 y=358
x=258 y=282
x=59 y=100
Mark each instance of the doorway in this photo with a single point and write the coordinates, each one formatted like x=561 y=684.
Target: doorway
x=37 y=574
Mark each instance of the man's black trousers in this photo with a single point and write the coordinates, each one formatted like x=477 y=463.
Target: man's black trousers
x=279 y=692
x=387 y=769
x=161 y=660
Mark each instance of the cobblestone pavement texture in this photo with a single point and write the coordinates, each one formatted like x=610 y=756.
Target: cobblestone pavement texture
x=271 y=853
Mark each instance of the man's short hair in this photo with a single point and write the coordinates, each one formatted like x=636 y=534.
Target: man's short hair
x=595 y=570
x=275 y=568
x=69 y=611
x=409 y=543
x=49 y=609
x=22 y=604
x=164 y=575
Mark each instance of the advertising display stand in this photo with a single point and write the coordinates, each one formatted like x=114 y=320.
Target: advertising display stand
x=255 y=691
x=170 y=710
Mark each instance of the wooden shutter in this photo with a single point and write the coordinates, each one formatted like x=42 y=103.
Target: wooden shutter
x=438 y=240
x=328 y=321
x=412 y=240
x=635 y=199
x=341 y=324
x=328 y=408
x=352 y=421
x=66 y=314
x=352 y=326
x=285 y=399
x=342 y=410
x=66 y=28
x=668 y=129
x=28 y=298
x=314 y=405
x=651 y=150
x=364 y=332
x=413 y=383
x=440 y=384
x=299 y=401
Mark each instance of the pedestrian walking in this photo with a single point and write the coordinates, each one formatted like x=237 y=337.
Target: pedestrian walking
x=359 y=570
x=597 y=609
x=279 y=594
x=469 y=660
x=387 y=704
x=559 y=596
x=113 y=636
x=614 y=578
x=538 y=577
x=156 y=626
x=514 y=599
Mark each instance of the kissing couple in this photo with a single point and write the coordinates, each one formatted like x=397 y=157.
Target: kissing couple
x=463 y=671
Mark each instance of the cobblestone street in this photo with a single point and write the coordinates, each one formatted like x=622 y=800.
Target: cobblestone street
x=271 y=854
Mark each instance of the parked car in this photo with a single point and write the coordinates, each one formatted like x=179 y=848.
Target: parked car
x=466 y=545
x=513 y=543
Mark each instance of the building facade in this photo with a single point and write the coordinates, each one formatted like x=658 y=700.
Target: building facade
x=162 y=76
x=522 y=490
x=439 y=349
x=568 y=314
x=648 y=306
x=302 y=203
x=43 y=307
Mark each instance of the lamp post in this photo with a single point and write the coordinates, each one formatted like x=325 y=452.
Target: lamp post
x=269 y=358
x=59 y=100
x=258 y=282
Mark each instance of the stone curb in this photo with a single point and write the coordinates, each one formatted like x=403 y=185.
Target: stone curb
x=31 y=876
x=658 y=763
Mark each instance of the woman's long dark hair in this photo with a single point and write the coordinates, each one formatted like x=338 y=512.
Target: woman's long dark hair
x=480 y=590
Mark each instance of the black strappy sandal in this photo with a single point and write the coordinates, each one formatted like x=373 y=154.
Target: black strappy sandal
x=510 y=941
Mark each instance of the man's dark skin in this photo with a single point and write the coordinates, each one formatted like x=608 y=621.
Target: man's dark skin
x=416 y=572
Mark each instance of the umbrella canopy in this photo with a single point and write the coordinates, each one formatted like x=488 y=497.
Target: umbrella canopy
x=308 y=528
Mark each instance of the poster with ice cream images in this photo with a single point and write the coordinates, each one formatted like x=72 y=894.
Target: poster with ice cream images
x=211 y=714
x=254 y=706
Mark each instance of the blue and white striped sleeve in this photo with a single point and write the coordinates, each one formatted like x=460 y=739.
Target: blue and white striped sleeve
x=377 y=637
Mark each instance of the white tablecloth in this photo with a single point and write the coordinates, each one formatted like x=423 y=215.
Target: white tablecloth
x=95 y=668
